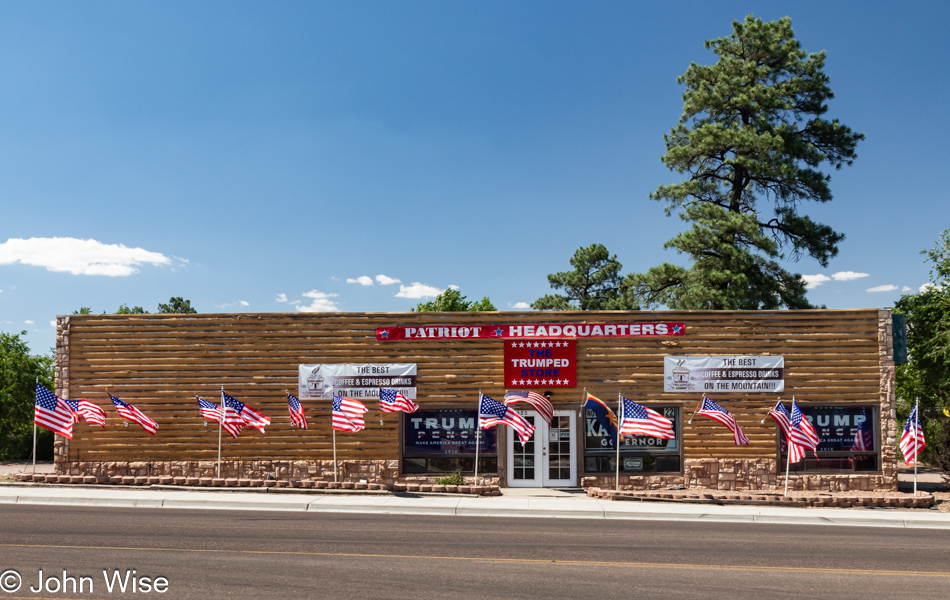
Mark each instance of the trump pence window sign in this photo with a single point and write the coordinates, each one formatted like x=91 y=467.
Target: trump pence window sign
x=548 y=363
x=710 y=374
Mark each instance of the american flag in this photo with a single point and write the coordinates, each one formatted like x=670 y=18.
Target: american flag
x=637 y=419
x=92 y=413
x=802 y=431
x=348 y=414
x=492 y=413
x=539 y=402
x=232 y=422
x=50 y=412
x=863 y=437
x=209 y=410
x=250 y=416
x=714 y=411
x=135 y=415
x=297 y=416
x=784 y=419
x=212 y=411
x=73 y=408
x=912 y=440
x=394 y=401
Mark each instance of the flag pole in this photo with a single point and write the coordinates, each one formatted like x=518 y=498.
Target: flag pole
x=916 y=429
x=221 y=416
x=333 y=393
x=34 y=428
x=478 y=431
x=617 y=443
x=788 y=460
x=788 y=449
x=696 y=410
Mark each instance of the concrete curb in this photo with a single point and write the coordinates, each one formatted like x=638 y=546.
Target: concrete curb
x=479 y=507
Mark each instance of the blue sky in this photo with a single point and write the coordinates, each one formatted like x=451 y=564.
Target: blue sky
x=282 y=156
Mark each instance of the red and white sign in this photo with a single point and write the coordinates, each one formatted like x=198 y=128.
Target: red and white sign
x=538 y=331
x=540 y=363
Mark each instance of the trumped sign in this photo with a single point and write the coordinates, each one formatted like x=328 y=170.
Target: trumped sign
x=533 y=363
x=537 y=331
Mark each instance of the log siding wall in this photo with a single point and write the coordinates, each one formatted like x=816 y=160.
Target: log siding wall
x=158 y=363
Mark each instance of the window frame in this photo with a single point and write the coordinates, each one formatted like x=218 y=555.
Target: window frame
x=639 y=453
x=807 y=465
x=484 y=458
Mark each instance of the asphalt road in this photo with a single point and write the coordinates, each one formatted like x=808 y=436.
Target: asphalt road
x=232 y=554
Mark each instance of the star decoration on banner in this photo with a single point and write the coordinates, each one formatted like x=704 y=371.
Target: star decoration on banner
x=384 y=333
x=497 y=332
x=677 y=329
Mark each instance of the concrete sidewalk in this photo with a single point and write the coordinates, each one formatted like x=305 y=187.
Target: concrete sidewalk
x=527 y=504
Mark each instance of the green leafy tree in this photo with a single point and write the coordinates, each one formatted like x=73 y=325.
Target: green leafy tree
x=19 y=371
x=176 y=304
x=85 y=310
x=134 y=310
x=753 y=143
x=927 y=373
x=451 y=301
x=594 y=284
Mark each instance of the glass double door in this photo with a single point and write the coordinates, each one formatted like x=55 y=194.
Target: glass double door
x=549 y=457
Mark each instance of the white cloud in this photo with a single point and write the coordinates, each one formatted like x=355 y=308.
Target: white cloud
x=362 y=280
x=79 y=257
x=882 y=288
x=417 y=291
x=53 y=324
x=244 y=303
x=848 y=275
x=281 y=298
x=320 y=302
x=928 y=286
x=521 y=306
x=453 y=287
x=813 y=281
x=29 y=322
x=906 y=288
x=385 y=280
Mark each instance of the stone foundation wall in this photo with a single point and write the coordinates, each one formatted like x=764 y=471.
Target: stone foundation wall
x=747 y=474
x=703 y=473
x=379 y=471
x=373 y=471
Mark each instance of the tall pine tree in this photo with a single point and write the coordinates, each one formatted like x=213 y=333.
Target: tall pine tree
x=753 y=141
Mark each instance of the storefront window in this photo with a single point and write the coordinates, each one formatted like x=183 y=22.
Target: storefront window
x=443 y=441
x=637 y=453
x=849 y=439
